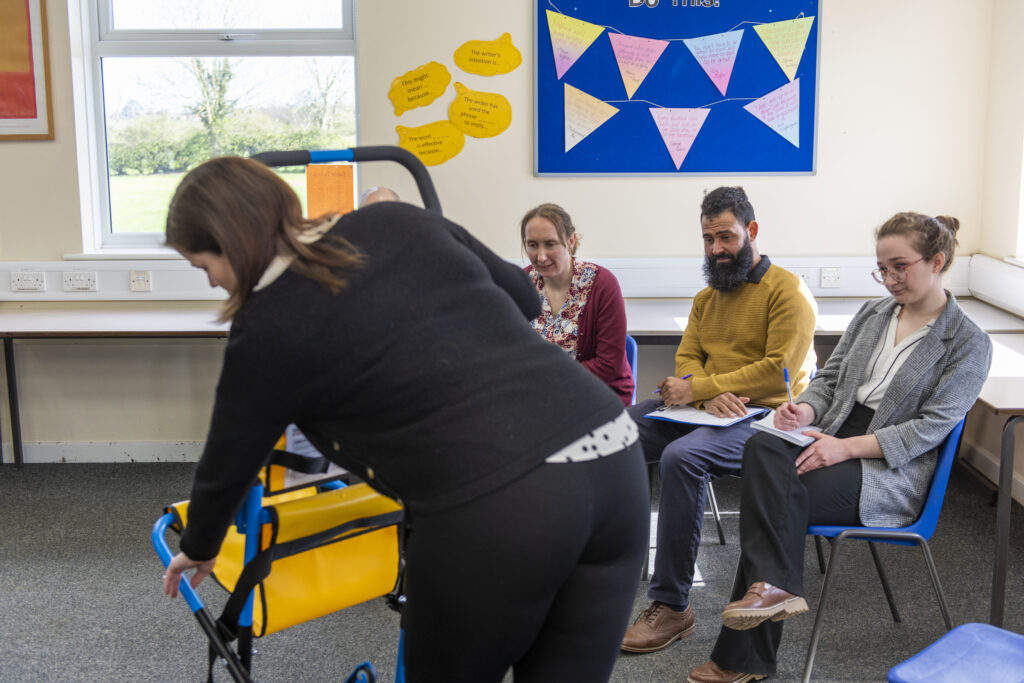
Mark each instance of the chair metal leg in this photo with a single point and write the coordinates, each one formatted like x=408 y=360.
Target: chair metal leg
x=819 y=618
x=715 y=512
x=935 y=583
x=885 y=583
x=821 y=554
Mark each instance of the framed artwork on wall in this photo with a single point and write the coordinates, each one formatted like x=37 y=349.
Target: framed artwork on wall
x=25 y=109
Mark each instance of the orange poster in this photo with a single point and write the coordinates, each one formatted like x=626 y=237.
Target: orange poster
x=329 y=189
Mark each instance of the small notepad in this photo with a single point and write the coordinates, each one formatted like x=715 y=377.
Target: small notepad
x=796 y=436
x=696 y=416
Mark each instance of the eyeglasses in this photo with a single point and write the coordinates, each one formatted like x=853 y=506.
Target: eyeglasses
x=898 y=272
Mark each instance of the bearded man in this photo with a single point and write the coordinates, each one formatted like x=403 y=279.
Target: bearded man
x=751 y=321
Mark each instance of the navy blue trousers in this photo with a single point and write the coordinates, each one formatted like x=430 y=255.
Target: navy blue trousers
x=689 y=457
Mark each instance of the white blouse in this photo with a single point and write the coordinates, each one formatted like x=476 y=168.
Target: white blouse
x=886 y=359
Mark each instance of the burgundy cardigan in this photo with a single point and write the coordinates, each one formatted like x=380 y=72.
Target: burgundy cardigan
x=601 y=344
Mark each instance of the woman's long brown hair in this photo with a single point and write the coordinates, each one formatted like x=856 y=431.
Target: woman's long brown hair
x=244 y=211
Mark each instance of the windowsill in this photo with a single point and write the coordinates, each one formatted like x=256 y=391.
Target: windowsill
x=128 y=254
x=1013 y=260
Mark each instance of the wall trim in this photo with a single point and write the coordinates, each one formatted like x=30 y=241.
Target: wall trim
x=107 y=451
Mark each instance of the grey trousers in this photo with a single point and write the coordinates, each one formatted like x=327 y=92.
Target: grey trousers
x=689 y=457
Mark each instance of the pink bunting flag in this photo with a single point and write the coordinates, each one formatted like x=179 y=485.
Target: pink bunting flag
x=679 y=128
x=635 y=57
x=716 y=54
x=780 y=111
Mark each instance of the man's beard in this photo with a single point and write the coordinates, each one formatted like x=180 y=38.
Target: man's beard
x=729 y=275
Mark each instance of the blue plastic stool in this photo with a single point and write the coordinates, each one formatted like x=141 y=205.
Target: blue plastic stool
x=970 y=652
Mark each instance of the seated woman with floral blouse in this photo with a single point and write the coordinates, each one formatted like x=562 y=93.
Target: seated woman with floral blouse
x=581 y=304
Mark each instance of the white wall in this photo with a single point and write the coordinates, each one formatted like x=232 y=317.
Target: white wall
x=901 y=125
x=1002 y=195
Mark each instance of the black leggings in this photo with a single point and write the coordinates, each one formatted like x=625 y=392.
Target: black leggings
x=539 y=576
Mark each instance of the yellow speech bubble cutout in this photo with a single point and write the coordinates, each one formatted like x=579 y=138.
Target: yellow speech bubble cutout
x=434 y=143
x=488 y=57
x=419 y=87
x=479 y=114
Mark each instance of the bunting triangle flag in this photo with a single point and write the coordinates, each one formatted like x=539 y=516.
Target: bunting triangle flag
x=716 y=54
x=570 y=38
x=780 y=111
x=679 y=128
x=583 y=115
x=786 y=41
x=635 y=57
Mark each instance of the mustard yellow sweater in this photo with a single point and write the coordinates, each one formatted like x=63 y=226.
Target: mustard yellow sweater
x=740 y=341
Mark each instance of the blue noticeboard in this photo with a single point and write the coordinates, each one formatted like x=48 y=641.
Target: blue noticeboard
x=675 y=86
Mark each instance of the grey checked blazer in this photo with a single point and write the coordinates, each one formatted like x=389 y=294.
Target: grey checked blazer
x=929 y=394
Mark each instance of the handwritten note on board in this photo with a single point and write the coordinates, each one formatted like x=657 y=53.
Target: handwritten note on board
x=786 y=41
x=583 y=115
x=780 y=111
x=679 y=128
x=570 y=38
x=716 y=54
x=635 y=57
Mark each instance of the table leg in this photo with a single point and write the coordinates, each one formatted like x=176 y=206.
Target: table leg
x=12 y=397
x=1003 y=521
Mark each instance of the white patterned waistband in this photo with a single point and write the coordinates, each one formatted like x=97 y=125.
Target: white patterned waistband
x=611 y=437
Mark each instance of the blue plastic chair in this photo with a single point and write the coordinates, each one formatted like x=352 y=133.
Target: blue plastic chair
x=917 y=533
x=632 y=356
x=970 y=652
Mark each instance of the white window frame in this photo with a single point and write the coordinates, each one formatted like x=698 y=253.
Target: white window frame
x=99 y=40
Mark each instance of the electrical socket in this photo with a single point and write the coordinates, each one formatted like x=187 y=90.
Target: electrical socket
x=140 y=281
x=79 y=281
x=28 y=281
x=830 y=278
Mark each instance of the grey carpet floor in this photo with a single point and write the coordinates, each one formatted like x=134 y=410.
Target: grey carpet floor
x=80 y=591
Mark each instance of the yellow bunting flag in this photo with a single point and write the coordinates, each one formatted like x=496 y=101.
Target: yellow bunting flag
x=583 y=115
x=434 y=143
x=329 y=189
x=488 y=57
x=419 y=87
x=479 y=114
x=570 y=38
x=786 y=41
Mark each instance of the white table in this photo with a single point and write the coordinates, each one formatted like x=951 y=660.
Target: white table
x=63 y=320
x=1004 y=394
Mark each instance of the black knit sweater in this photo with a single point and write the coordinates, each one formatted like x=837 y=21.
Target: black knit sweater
x=423 y=376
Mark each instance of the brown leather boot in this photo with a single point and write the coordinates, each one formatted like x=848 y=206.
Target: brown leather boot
x=658 y=627
x=762 y=601
x=709 y=672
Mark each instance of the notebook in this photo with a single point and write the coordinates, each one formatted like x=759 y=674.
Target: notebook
x=767 y=424
x=696 y=416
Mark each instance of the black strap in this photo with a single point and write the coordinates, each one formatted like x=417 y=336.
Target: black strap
x=259 y=567
x=299 y=463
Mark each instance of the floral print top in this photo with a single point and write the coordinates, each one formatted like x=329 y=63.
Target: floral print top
x=562 y=327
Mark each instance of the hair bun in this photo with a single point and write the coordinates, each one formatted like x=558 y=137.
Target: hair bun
x=952 y=224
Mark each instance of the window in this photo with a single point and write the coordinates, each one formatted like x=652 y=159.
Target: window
x=170 y=83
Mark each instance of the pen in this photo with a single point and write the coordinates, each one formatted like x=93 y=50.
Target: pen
x=658 y=391
x=789 y=391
